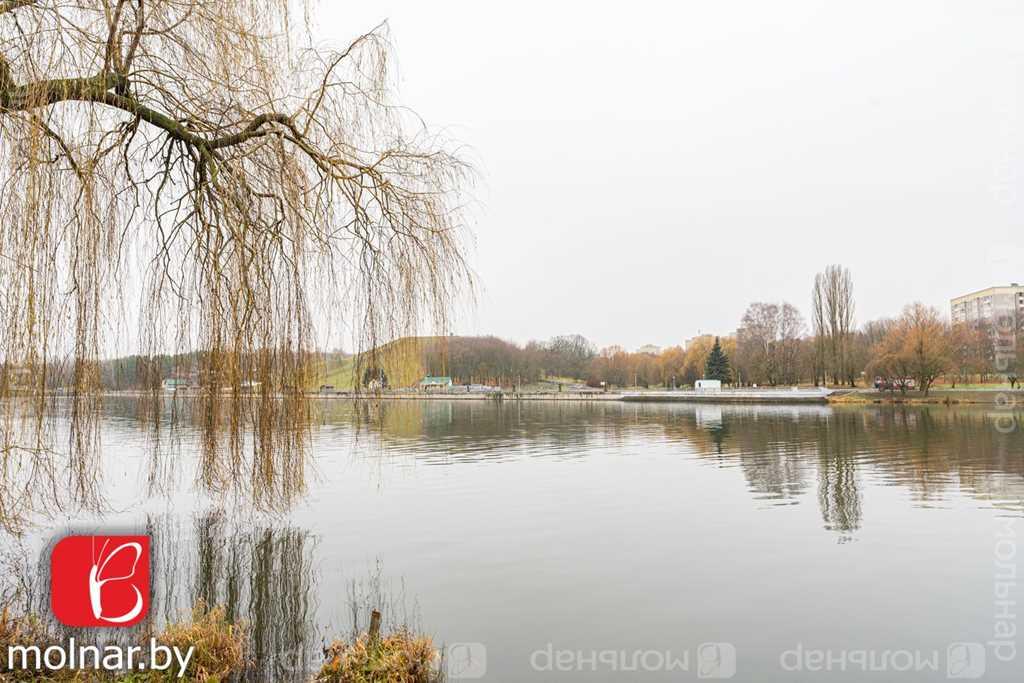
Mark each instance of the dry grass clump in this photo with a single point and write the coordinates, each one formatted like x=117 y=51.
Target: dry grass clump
x=219 y=646
x=24 y=631
x=398 y=658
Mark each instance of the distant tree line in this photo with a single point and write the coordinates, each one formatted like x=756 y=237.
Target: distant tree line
x=915 y=349
x=773 y=346
x=490 y=360
x=672 y=367
x=142 y=373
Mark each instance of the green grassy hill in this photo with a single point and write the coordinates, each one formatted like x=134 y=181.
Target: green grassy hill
x=340 y=375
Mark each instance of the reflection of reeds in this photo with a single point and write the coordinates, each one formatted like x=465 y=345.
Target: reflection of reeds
x=371 y=593
x=262 y=583
x=383 y=645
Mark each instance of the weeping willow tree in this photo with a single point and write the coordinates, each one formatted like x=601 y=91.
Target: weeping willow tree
x=198 y=176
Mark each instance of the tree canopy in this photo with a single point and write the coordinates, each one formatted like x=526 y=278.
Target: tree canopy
x=199 y=171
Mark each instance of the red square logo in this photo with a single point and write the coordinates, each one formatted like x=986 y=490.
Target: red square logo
x=100 y=580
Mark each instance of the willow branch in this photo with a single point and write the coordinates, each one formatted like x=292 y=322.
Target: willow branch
x=106 y=88
x=11 y=5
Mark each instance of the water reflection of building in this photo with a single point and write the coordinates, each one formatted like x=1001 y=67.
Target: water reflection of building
x=709 y=418
x=708 y=415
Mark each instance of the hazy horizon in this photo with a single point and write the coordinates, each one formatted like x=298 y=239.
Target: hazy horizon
x=646 y=175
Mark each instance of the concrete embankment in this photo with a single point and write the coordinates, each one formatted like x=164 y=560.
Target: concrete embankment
x=728 y=396
x=463 y=396
x=784 y=396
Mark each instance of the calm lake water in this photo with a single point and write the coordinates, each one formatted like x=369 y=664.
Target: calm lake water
x=607 y=542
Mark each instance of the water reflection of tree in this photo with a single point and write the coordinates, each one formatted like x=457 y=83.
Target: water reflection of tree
x=927 y=450
x=932 y=449
x=264 y=577
x=261 y=575
x=489 y=429
x=838 y=493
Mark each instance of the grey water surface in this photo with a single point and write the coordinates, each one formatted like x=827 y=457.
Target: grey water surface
x=554 y=541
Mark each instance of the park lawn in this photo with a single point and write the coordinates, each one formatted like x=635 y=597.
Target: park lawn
x=340 y=375
x=969 y=386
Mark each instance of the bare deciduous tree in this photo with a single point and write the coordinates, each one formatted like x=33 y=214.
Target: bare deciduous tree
x=818 y=328
x=768 y=343
x=833 y=322
x=916 y=347
x=197 y=169
x=972 y=352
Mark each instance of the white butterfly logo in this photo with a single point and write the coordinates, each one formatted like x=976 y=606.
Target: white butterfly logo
x=97 y=581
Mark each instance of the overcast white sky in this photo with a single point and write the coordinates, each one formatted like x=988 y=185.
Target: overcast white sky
x=650 y=168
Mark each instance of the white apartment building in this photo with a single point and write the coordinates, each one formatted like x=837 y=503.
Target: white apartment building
x=1000 y=310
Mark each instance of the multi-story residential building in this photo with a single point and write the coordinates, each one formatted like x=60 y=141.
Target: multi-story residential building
x=1000 y=310
x=709 y=338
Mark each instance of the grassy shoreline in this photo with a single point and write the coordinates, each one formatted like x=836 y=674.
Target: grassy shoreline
x=991 y=397
x=221 y=652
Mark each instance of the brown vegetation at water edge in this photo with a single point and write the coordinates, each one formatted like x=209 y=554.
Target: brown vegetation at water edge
x=400 y=657
x=219 y=650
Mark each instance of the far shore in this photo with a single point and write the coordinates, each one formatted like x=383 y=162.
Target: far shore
x=1002 y=397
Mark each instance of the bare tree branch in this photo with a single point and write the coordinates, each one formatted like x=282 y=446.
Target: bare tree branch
x=11 y=5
